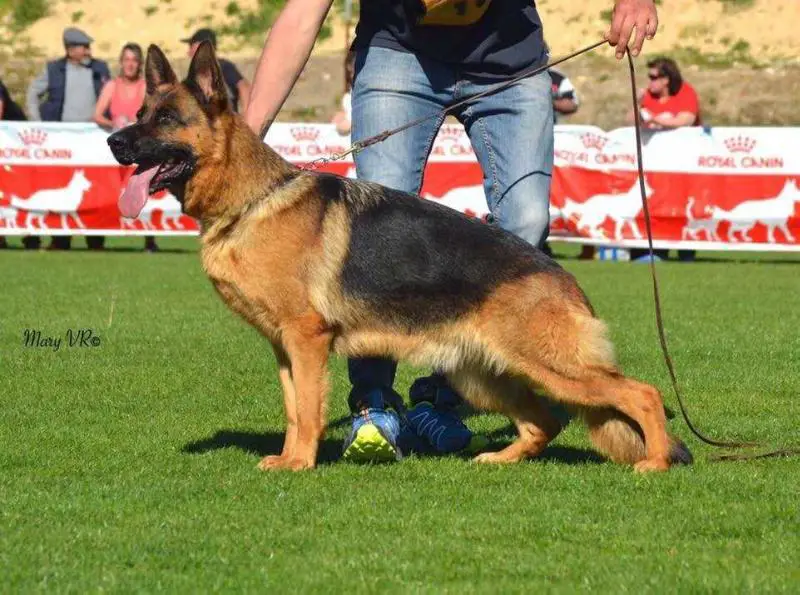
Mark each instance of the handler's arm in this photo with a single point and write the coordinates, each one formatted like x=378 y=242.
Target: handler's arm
x=285 y=53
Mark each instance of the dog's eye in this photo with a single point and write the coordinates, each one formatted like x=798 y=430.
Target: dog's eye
x=166 y=117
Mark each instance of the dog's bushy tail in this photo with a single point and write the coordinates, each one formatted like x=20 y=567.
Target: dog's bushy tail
x=620 y=438
x=612 y=432
x=580 y=347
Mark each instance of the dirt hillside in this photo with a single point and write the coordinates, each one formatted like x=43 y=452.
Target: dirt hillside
x=769 y=27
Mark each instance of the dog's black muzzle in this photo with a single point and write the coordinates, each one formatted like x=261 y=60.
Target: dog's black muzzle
x=121 y=145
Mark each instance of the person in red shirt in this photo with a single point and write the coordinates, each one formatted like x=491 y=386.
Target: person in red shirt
x=668 y=101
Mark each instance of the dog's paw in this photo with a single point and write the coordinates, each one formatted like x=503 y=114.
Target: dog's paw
x=649 y=465
x=274 y=462
x=271 y=462
x=494 y=458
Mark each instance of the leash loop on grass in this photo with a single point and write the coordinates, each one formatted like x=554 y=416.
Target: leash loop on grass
x=656 y=296
x=358 y=146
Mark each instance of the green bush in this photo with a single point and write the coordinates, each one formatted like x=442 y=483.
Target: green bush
x=252 y=25
x=731 y=5
x=27 y=12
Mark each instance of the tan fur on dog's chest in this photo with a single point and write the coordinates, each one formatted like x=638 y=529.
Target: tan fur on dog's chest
x=261 y=268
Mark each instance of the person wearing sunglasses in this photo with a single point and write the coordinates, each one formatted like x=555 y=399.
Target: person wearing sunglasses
x=669 y=101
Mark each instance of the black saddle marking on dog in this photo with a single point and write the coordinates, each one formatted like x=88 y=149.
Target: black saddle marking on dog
x=422 y=263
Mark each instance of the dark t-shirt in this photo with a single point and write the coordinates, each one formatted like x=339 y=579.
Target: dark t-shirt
x=493 y=39
x=232 y=77
x=11 y=110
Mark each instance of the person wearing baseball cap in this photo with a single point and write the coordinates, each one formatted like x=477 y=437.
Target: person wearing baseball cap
x=238 y=86
x=67 y=91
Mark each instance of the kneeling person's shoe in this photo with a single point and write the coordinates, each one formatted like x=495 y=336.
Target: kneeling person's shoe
x=373 y=436
x=433 y=417
x=443 y=430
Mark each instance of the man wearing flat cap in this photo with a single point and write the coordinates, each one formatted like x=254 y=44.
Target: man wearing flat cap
x=238 y=86
x=67 y=91
x=68 y=88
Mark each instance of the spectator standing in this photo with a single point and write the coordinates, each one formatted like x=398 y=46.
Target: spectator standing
x=238 y=86
x=669 y=102
x=121 y=99
x=67 y=91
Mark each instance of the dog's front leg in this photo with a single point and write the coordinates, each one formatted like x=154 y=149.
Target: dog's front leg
x=290 y=406
x=307 y=344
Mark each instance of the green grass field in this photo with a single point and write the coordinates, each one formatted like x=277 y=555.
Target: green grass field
x=131 y=465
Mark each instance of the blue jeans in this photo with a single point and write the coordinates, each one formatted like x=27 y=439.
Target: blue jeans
x=510 y=131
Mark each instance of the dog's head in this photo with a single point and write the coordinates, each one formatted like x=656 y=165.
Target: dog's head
x=81 y=181
x=174 y=127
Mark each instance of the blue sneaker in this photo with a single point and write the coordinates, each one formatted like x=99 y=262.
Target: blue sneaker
x=441 y=429
x=374 y=433
x=433 y=417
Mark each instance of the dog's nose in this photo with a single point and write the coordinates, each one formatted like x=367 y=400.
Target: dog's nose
x=121 y=148
x=116 y=143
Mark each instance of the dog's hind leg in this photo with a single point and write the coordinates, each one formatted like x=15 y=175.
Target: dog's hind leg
x=603 y=389
x=537 y=428
x=307 y=344
x=536 y=425
x=290 y=406
x=565 y=353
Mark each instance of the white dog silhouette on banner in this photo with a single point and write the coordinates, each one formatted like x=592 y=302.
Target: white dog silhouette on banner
x=772 y=212
x=621 y=208
x=63 y=201
x=8 y=217
x=170 y=213
x=694 y=226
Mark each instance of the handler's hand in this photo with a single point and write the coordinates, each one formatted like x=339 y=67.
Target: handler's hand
x=627 y=15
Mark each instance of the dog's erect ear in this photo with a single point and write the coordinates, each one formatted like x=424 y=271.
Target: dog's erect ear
x=157 y=70
x=205 y=79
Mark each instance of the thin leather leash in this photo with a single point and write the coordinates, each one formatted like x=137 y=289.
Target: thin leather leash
x=363 y=144
x=381 y=136
x=659 y=318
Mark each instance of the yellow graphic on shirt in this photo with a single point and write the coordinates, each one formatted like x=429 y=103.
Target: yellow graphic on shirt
x=454 y=13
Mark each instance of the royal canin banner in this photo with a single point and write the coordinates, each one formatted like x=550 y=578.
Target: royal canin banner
x=731 y=188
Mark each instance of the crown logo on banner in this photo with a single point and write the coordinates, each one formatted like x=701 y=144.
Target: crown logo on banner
x=304 y=133
x=593 y=141
x=33 y=136
x=740 y=144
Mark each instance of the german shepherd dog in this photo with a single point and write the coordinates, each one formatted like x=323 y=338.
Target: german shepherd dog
x=320 y=263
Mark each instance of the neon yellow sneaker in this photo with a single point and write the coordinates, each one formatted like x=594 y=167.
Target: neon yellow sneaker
x=373 y=437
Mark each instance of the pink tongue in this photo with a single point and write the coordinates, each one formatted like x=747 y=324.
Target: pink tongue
x=136 y=192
